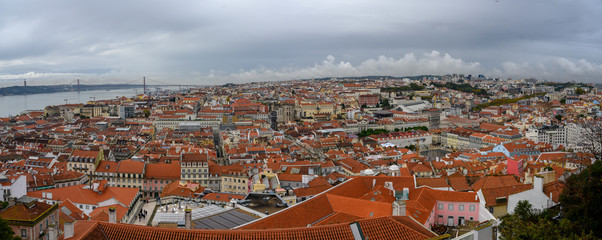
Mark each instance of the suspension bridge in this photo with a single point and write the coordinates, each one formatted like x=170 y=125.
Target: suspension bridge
x=145 y=82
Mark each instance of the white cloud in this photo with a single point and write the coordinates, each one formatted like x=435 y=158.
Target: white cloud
x=556 y=69
x=429 y=63
x=434 y=62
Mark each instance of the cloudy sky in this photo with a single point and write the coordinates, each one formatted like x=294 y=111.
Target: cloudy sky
x=214 y=42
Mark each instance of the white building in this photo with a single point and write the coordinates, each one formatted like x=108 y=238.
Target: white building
x=536 y=196
x=12 y=187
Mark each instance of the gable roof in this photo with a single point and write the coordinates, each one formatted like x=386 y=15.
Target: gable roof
x=495 y=182
x=81 y=194
x=398 y=227
x=365 y=191
x=28 y=212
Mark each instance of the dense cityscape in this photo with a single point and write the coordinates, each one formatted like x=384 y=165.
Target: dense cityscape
x=428 y=157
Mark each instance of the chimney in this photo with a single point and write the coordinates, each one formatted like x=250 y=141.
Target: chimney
x=69 y=228
x=11 y=201
x=538 y=183
x=112 y=215
x=356 y=230
x=406 y=194
x=52 y=233
x=188 y=218
x=399 y=208
x=389 y=185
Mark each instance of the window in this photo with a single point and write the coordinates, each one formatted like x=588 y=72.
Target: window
x=23 y=233
x=450 y=207
x=461 y=207
x=440 y=206
x=471 y=208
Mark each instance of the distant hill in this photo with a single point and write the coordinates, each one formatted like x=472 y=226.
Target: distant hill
x=23 y=90
x=418 y=77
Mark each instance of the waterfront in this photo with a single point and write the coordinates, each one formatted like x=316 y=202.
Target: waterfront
x=14 y=105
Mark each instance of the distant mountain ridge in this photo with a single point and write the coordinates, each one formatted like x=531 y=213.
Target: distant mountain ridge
x=23 y=90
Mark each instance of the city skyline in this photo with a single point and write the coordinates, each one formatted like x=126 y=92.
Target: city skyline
x=214 y=42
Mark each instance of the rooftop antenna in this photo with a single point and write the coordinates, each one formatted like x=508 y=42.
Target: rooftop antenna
x=144 y=84
x=24 y=82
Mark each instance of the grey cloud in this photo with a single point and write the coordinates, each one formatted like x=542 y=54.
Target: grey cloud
x=186 y=40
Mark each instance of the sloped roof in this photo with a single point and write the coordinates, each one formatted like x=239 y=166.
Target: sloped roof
x=130 y=166
x=170 y=171
x=179 y=188
x=21 y=212
x=362 y=191
x=102 y=213
x=495 y=182
x=79 y=194
x=491 y=194
x=399 y=227
x=432 y=182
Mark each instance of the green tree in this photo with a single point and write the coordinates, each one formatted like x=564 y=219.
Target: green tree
x=580 y=91
x=416 y=87
x=527 y=223
x=581 y=199
x=146 y=113
x=6 y=232
x=558 y=117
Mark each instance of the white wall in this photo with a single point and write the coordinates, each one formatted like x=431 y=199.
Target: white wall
x=538 y=199
x=19 y=187
x=535 y=196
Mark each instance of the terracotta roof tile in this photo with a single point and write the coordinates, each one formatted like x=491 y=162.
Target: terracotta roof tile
x=20 y=212
x=378 y=228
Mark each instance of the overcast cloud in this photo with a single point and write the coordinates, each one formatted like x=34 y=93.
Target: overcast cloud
x=214 y=42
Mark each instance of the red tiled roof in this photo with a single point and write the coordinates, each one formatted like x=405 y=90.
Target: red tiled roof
x=102 y=213
x=343 y=198
x=20 y=212
x=432 y=182
x=163 y=171
x=83 y=153
x=179 y=188
x=223 y=197
x=310 y=191
x=458 y=182
x=130 y=166
x=555 y=189
x=400 y=227
x=319 y=181
x=495 y=182
x=290 y=177
x=491 y=194
x=79 y=194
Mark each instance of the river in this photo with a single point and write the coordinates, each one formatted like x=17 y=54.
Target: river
x=14 y=105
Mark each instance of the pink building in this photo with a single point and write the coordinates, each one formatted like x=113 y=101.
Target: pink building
x=369 y=100
x=515 y=166
x=430 y=206
x=159 y=175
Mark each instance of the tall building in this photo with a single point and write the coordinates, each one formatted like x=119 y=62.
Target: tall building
x=126 y=111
